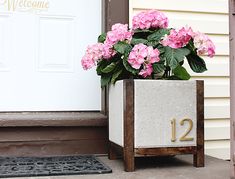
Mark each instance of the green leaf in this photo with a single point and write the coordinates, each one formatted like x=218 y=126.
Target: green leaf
x=158 y=67
x=115 y=76
x=135 y=41
x=156 y=36
x=173 y=77
x=175 y=56
x=153 y=43
x=105 y=79
x=122 y=47
x=181 y=73
x=109 y=68
x=142 y=30
x=196 y=63
x=100 y=66
x=102 y=38
x=129 y=68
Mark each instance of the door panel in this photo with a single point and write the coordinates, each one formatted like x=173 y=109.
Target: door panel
x=40 y=52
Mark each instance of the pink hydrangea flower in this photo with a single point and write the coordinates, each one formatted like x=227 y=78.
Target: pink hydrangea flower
x=178 y=39
x=87 y=62
x=142 y=55
x=153 y=55
x=146 y=71
x=93 y=54
x=119 y=32
x=137 y=55
x=203 y=44
x=148 y=19
x=108 y=51
x=96 y=51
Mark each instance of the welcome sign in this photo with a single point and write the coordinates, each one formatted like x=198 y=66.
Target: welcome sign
x=25 y=5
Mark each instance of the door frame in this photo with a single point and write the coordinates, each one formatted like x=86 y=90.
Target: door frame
x=232 y=84
x=110 y=15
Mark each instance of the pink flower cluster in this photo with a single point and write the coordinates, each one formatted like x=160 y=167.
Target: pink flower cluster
x=203 y=44
x=143 y=55
x=105 y=50
x=178 y=39
x=93 y=54
x=118 y=33
x=150 y=19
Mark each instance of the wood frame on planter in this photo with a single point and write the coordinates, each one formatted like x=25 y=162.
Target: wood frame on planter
x=129 y=152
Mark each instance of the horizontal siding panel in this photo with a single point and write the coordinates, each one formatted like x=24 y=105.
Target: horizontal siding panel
x=218 y=149
x=217 y=129
x=207 y=23
x=213 y=90
x=217 y=108
x=215 y=87
x=219 y=6
x=215 y=68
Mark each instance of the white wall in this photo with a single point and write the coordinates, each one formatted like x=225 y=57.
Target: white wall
x=210 y=17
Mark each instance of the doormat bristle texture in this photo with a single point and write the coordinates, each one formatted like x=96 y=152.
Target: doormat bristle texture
x=51 y=166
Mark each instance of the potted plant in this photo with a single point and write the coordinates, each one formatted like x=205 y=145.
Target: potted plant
x=153 y=109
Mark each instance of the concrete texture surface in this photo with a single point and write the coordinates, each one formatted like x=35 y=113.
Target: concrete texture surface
x=179 y=167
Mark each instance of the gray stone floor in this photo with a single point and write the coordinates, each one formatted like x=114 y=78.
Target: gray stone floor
x=179 y=167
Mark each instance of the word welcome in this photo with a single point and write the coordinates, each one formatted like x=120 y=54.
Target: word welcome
x=25 y=5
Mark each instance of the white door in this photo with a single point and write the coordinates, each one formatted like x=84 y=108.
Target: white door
x=40 y=50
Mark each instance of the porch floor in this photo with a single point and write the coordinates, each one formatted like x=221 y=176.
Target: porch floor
x=179 y=167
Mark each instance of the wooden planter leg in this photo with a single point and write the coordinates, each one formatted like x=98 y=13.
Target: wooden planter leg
x=128 y=150
x=199 y=157
x=129 y=160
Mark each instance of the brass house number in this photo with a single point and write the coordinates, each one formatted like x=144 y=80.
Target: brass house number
x=184 y=136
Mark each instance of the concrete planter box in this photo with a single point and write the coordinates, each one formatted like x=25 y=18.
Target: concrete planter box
x=156 y=117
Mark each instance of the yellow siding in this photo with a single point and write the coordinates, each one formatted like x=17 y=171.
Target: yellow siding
x=210 y=17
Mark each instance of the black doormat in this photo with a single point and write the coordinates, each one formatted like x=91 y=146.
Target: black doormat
x=51 y=166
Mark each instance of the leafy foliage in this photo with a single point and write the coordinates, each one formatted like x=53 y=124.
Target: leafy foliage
x=157 y=35
x=196 y=63
x=175 y=56
x=181 y=73
x=102 y=38
x=122 y=47
x=136 y=41
x=169 y=67
x=159 y=67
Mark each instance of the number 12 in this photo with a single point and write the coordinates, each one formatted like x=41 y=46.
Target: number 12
x=184 y=136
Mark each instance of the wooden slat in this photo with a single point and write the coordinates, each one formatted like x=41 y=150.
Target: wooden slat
x=128 y=108
x=30 y=119
x=199 y=156
x=26 y=134
x=53 y=148
x=140 y=152
x=213 y=6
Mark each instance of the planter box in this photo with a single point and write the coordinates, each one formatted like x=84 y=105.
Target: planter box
x=155 y=118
